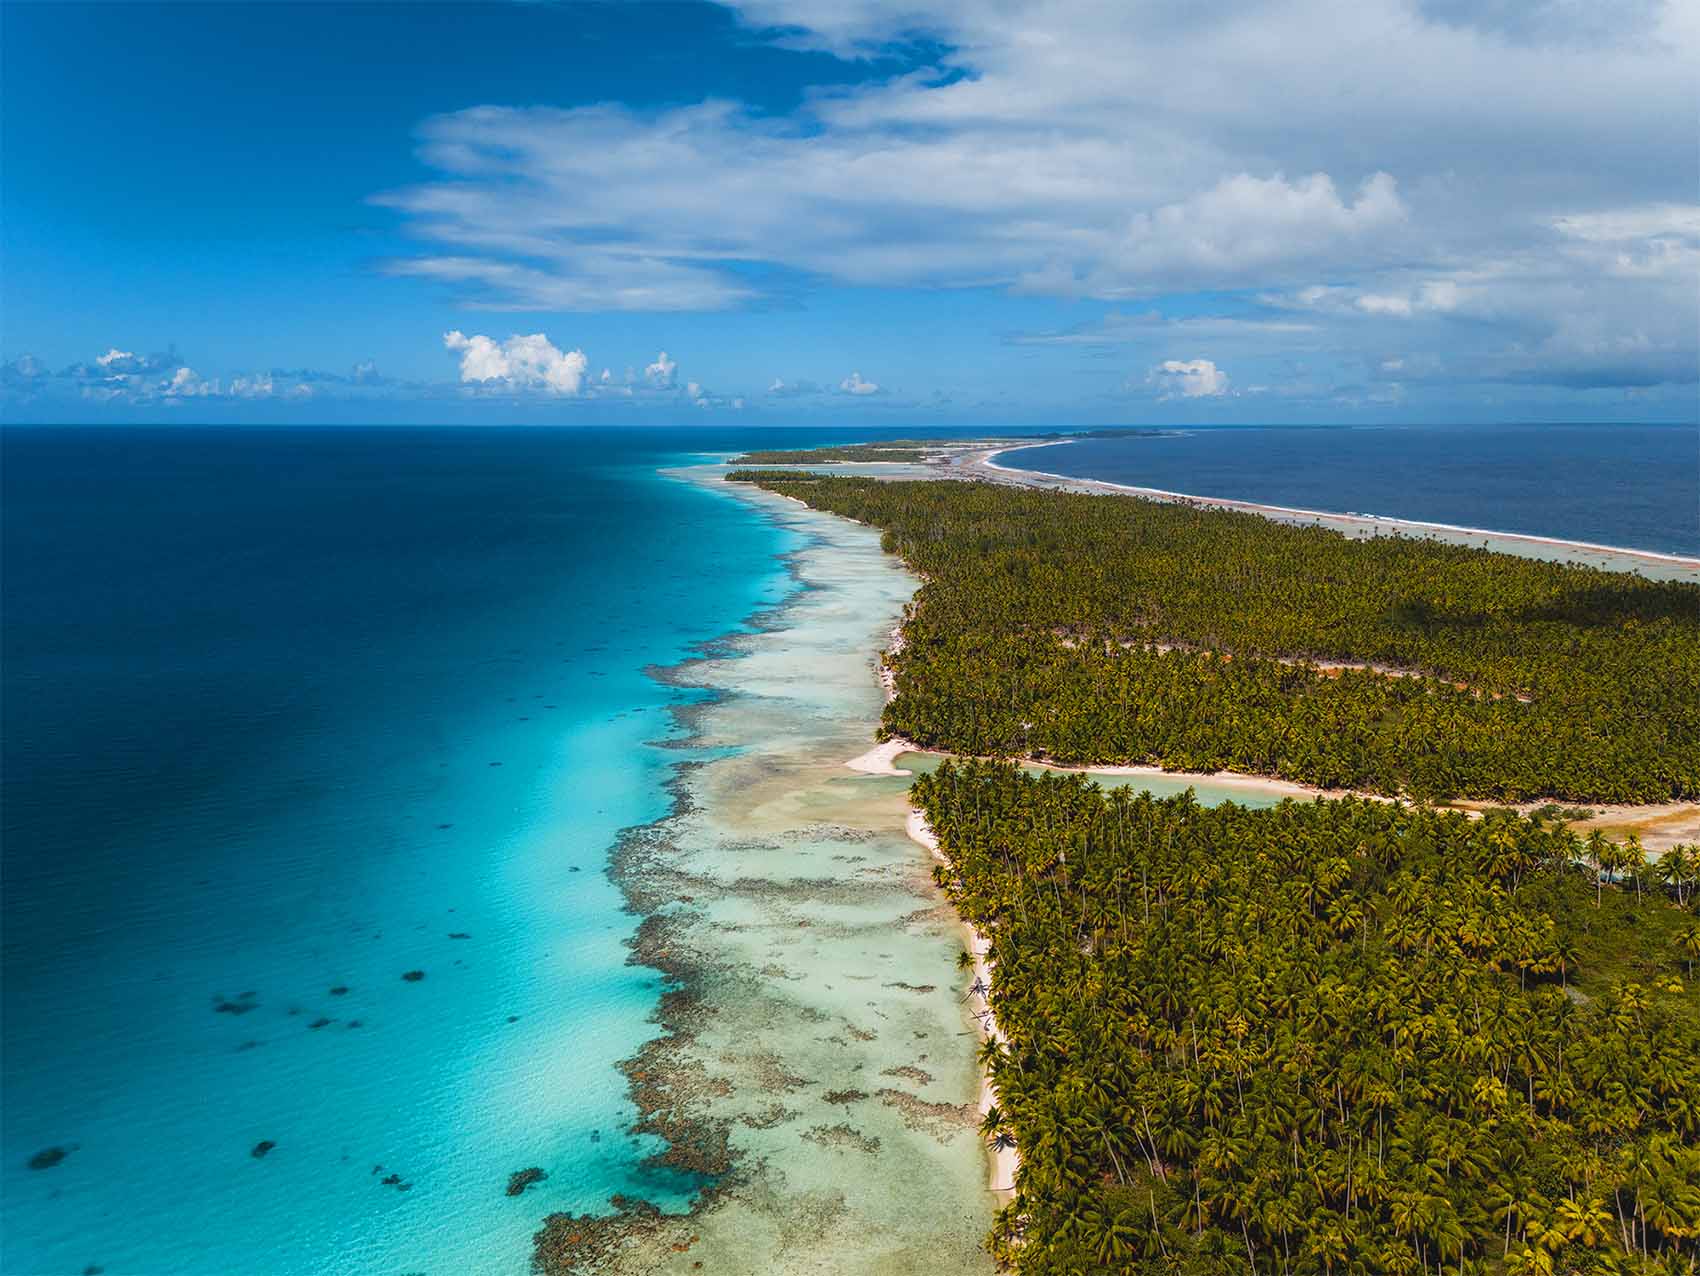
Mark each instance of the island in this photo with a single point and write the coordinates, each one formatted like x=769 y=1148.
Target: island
x=1440 y=1016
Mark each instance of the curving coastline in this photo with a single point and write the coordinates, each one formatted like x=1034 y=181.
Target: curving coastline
x=1005 y=1161
x=809 y=1071
x=982 y=463
x=881 y=760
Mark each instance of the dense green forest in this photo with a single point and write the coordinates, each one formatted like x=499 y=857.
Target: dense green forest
x=1342 y=1036
x=1112 y=629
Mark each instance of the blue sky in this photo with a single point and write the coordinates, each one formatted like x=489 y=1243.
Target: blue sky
x=1065 y=212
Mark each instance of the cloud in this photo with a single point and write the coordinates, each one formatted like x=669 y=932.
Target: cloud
x=1054 y=148
x=526 y=363
x=186 y=383
x=854 y=384
x=116 y=362
x=584 y=279
x=362 y=374
x=800 y=388
x=1128 y=329
x=1188 y=379
x=264 y=385
x=24 y=375
x=123 y=377
x=660 y=374
x=1550 y=22
x=1600 y=300
x=1243 y=228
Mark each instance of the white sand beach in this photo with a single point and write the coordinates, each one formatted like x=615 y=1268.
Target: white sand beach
x=982 y=463
x=1005 y=1161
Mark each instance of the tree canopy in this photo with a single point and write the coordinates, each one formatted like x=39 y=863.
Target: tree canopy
x=1108 y=629
x=1342 y=1036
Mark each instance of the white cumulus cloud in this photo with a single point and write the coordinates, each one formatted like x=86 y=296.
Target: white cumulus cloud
x=660 y=374
x=1189 y=379
x=854 y=384
x=185 y=383
x=519 y=363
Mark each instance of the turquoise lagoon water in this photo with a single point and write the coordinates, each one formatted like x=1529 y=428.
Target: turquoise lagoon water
x=290 y=714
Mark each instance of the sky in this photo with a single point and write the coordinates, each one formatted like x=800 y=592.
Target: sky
x=841 y=212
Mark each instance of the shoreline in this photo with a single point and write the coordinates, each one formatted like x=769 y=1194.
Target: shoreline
x=800 y=1067
x=1660 y=824
x=1005 y=1162
x=881 y=760
x=978 y=461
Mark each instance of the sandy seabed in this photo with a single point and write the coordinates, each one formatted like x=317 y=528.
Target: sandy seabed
x=816 y=1060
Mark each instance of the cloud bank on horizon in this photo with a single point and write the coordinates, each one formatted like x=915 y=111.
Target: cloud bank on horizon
x=1299 y=200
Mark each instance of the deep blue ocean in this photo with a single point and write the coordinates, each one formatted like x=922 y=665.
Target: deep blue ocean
x=291 y=715
x=1634 y=486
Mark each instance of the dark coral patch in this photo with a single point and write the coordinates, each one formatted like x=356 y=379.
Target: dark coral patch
x=519 y=1180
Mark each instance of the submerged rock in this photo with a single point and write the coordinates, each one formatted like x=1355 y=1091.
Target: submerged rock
x=519 y=1180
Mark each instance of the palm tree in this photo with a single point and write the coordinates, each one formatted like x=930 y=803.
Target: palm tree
x=1583 y=1219
x=1600 y=854
x=1632 y=859
x=1688 y=943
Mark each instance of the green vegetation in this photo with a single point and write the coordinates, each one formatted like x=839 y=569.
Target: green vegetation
x=911 y=450
x=1118 y=630
x=1346 y=1036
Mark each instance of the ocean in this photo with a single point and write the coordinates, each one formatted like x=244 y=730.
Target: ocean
x=316 y=748
x=1632 y=486
x=316 y=744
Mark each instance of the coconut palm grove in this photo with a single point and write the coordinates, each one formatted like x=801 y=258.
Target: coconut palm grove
x=1349 y=1035
x=1110 y=629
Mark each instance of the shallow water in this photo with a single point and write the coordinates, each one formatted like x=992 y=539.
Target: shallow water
x=823 y=1029
x=294 y=712
x=256 y=690
x=1206 y=791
